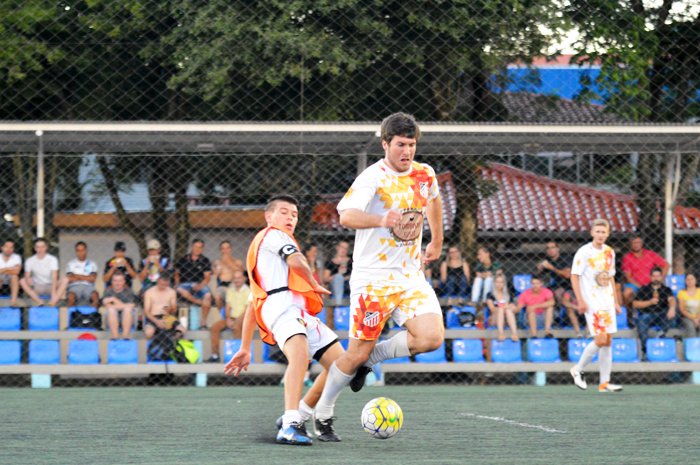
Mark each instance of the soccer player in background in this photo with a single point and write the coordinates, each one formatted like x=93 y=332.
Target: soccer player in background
x=285 y=302
x=592 y=278
x=386 y=205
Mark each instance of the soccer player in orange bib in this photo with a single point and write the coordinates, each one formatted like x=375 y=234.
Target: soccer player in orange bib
x=285 y=303
x=592 y=277
x=386 y=205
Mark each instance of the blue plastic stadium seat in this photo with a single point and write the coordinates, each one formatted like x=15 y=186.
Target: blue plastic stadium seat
x=521 y=282
x=43 y=352
x=231 y=346
x=676 y=282
x=543 y=350
x=436 y=356
x=266 y=354
x=85 y=310
x=43 y=319
x=322 y=315
x=624 y=350
x=576 y=347
x=223 y=313
x=452 y=317
x=691 y=349
x=661 y=350
x=468 y=350
x=122 y=352
x=10 y=318
x=341 y=317
x=83 y=352
x=622 y=319
x=10 y=352
x=507 y=351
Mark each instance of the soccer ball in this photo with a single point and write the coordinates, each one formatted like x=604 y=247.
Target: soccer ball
x=382 y=418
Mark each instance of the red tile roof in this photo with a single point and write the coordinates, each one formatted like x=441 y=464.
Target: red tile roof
x=527 y=202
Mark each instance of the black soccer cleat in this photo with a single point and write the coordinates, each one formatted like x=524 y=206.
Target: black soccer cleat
x=324 y=430
x=358 y=381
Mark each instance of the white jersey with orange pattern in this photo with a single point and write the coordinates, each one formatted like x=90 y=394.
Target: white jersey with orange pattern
x=588 y=262
x=391 y=254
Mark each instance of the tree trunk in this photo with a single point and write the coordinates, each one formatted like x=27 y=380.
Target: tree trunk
x=52 y=163
x=25 y=170
x=464 y=170
x=182 y=222
x=647 y=197
x=158 y=195
x=136 y=233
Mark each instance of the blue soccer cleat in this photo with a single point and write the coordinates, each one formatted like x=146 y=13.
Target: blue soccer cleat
x=295 y=435
x=279 y=423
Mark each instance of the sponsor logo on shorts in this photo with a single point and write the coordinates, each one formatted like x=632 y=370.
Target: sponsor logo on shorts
x=372 y=319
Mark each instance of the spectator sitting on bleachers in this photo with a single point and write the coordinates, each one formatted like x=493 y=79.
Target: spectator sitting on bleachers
x=337 y=272
x=160 y=308
x=79 y=282
x=119 y=263
x=223 y=270
x=41 y=274
x=192 y=274
x=575 y=318
x=539 y=304
x=152 y=266
x=454 y=276
x=10 y=269
x=311 y=253
x=689 y=307
x=485 y=271
x=656 y=306
x=559 y=267
x=637 y=266
x=502 y=306
x=119 y=301
x=236 y=303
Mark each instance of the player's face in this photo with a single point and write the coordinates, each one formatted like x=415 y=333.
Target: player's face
x=8 y=248
x=600 y=234
x=284 y=216
x=81 y=252
x=399 y=153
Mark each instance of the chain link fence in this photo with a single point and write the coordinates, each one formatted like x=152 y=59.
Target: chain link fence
x=537 y=118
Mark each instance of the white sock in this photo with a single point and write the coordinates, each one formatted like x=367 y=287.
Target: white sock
x=335 y=382
x=587 y=355
x=305 y=411
x=605 y=358
x=395 y=347
x=290 y=416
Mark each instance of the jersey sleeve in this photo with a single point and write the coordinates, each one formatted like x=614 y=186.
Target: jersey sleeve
x=360 y=193
x=579 y=263
x=612 y=266
x=281 y=244
x=54 y=264
x=434 y=189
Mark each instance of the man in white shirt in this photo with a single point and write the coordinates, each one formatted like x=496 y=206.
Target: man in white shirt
x=79 y=282
x=386 y=205
x=41 y=274
x=10 y=268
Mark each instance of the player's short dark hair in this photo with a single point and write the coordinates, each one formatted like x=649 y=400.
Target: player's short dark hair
x=399 y=124
x=655 y=269
x=166 y=276
x=40 y=239
x=80 y=243
x=272 y=203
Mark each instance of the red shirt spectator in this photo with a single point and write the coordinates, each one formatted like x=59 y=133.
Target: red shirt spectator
x=530 y=298
x=637 y=264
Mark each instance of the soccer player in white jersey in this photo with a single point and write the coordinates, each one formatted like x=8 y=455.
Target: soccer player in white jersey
x=592 y=277
x=284 y=294
x=386 y=205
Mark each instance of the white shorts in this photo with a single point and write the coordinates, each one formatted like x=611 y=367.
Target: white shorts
x=601 y=321
x=295 y=321
x=371 y=305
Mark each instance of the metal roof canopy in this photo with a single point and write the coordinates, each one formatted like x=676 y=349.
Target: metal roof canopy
x=341 y=138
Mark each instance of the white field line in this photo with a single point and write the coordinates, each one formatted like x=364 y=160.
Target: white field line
x=513 y=422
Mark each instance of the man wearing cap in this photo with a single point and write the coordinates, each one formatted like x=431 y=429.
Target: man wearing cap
x=152 y=266
x=121 y=263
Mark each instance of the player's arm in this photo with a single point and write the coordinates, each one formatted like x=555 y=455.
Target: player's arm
x=14 y=271
x=565 y=273
x=434 y=214
x=671 y=307
x=576 y=285
x=298 y=263
x=241 y=359
x=357 y=219
x=618 y=308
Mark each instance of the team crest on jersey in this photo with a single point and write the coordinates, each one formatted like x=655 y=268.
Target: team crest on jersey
x=372 y=319
x=423 y=189
x=409 y=227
